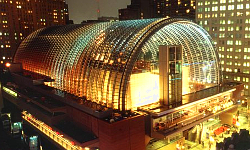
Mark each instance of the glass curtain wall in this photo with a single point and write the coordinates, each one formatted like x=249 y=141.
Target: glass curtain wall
x=116 y=63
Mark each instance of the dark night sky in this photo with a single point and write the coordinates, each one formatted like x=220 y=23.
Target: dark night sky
x=80 y=10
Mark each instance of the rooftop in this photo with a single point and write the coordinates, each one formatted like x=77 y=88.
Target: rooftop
x=81 y=135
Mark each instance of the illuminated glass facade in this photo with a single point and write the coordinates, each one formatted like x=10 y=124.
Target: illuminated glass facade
x=116 y=63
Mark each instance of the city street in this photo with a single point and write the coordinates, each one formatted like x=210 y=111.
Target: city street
x=244 y=124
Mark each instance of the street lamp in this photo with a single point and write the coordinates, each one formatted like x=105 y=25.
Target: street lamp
x=7 y=64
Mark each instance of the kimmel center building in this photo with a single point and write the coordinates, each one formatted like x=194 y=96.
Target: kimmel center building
x=125 y=85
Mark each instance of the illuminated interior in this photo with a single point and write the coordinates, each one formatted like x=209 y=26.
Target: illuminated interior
x=194 y=111
x=51 y=133
x=9 y=91
x=116 y=63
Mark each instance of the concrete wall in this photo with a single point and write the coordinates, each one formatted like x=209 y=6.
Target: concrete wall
x=83 y=120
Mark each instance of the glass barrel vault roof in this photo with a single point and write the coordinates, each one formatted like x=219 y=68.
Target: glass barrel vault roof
x=97 y=60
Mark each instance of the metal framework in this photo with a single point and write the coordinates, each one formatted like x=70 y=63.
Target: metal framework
x=97 y=60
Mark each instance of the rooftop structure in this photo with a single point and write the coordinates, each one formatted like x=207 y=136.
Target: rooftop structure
x=145 y=9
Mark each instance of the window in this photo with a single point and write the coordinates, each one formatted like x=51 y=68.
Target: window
x=199 y=15
x=247 y=21
x=247 y=28
x=247 y=6
x=222 y=21
x=238 y=50
x=238 y=42
x=221 y=49
x=214 y=28
x=222 y=29
x=222 y=14
x=240 y=6
x=229 y=49
x=214 y=15
x=230 y=21
x=222 y=8
x=215 y=8
x=207 y=15
x=230 y=42
x=207 y=2
x=246 y=71
x=246 y=49
x=230 y=28
x=215 y=2
x=230 y=7
x=238 y=28
x=207 y=9
x=239 y=14
x=199 y=9
x=238 y=35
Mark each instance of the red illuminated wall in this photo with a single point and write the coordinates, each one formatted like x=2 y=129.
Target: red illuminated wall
x=84 y=120
x=127 y=134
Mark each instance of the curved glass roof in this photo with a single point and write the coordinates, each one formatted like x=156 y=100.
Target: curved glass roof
x=97 y=60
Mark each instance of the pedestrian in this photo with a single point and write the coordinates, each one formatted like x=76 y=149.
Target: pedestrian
x=202 y=143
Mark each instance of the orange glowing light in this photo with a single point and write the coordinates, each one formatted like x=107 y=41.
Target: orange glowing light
x=7 y=64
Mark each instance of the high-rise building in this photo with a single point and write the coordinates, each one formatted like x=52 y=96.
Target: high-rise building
x=227 y=21
x=142 y=9
x=19 y=18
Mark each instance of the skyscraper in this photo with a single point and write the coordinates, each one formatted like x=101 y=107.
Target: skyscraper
x=19 y=18
x=142 y=9
x=227 y=21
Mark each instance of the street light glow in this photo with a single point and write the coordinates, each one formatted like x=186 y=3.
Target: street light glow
x=7 y=64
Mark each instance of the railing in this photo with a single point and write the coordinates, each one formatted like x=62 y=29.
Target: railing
x=53 y=135
x=186 y=120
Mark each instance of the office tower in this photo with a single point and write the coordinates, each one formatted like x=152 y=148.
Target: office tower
x=19 y=18
x=143 y=9
x=227 y=21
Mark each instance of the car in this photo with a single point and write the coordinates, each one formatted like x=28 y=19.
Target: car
x=226 y=125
